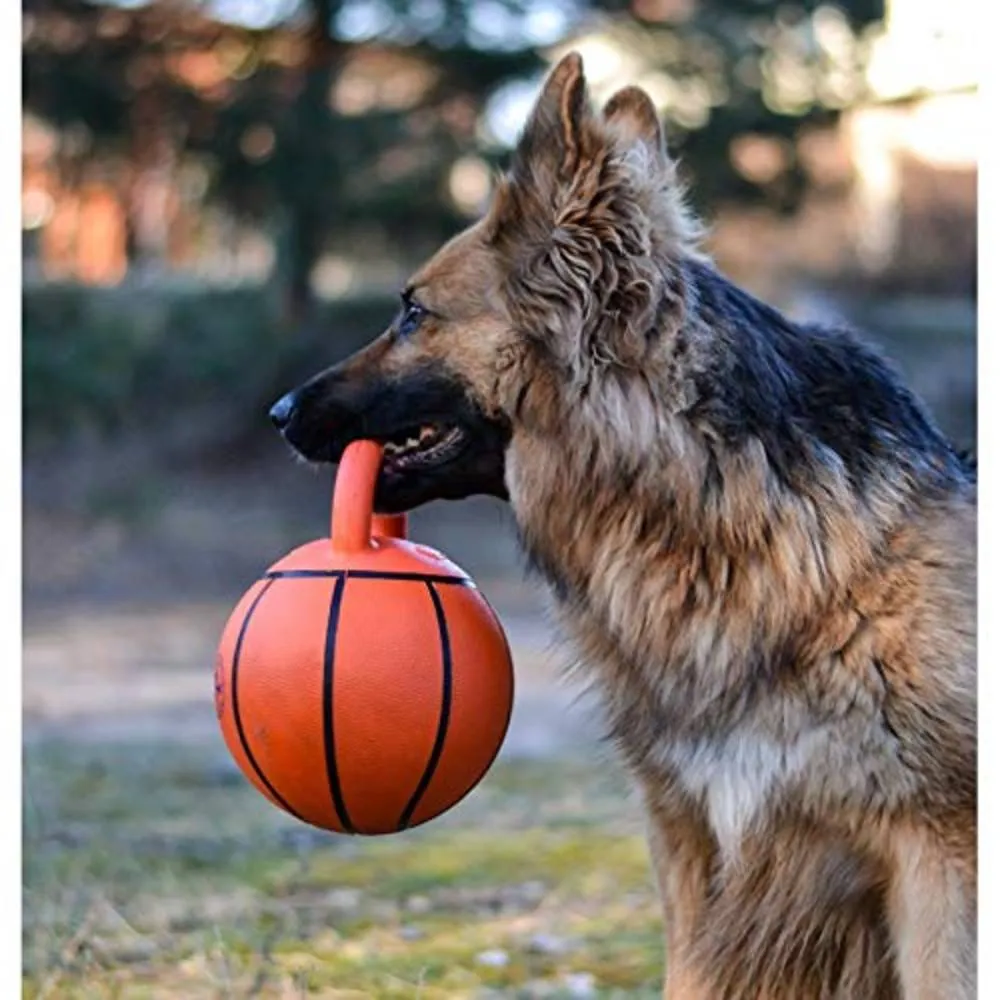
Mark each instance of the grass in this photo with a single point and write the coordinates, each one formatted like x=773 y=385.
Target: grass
x=155 y=871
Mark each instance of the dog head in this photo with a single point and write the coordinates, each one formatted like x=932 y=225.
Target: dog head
x=568 y=278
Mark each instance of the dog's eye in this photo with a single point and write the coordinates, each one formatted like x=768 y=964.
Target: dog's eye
x=410 y=318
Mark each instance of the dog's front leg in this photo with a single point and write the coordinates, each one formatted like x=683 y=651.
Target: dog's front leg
x=682 y=849
x=932 y=912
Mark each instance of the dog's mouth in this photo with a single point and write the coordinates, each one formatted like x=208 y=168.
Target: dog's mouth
x=426 y=446
x=437 y=443
x=439 y=461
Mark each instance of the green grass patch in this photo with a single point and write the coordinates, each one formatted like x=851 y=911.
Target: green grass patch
x=157 y=871
x=587 y=860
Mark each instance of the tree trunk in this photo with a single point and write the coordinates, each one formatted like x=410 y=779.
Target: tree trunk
x=304 y=245
x=306 y=230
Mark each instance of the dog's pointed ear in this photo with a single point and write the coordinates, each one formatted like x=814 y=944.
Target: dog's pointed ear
x=555 y=132
x=633 y=120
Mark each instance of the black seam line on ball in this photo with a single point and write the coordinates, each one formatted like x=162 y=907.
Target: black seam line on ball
x=510 y=707
x=442 y=731
x=365 y=574
x=329 y=747
x=236 y=702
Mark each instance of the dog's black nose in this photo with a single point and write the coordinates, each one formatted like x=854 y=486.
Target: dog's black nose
x=281 y=412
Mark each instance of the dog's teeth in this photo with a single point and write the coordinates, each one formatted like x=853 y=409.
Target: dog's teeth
x=411 y=443
x=392 y=449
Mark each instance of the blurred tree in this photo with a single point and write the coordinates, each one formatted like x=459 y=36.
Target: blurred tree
x=739 y=80
x=339 y=121
x=300 y=127
x=351 y=137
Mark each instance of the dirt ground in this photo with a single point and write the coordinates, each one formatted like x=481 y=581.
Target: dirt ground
x=106 y=674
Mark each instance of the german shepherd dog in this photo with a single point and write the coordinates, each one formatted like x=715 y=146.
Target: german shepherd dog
x=759 y=544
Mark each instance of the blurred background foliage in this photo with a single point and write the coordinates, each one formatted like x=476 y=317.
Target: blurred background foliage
x=218 y=193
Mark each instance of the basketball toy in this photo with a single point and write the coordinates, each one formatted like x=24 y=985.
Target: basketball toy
x=363 y=684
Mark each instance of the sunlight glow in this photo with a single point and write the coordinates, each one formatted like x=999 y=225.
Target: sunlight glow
x=927 y=45
x=255 y=14
x=333 y=277
x=507 y=110
x=469 y=184
x=37 y=207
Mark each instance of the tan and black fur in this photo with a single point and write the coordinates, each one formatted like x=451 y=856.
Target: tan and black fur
x=760 y=546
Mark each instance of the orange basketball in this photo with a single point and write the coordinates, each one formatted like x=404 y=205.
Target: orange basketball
x=363 y=684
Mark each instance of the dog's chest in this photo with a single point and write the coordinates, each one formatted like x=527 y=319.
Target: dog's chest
x=736 y=775
x=731 y=761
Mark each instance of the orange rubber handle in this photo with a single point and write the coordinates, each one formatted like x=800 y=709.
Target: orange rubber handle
x=389 y=525
x=353 y=496
x=352 y=522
